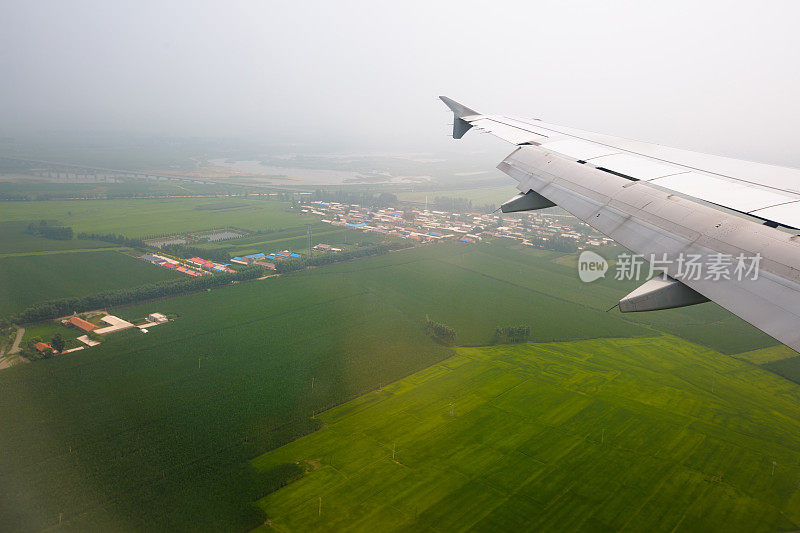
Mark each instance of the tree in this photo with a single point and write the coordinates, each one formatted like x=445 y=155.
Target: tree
x=507 y=334
x=57 y=343
x=440 y=332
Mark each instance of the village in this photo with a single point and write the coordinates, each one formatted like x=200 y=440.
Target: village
x=549 y=230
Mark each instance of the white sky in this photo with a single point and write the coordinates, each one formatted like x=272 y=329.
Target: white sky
x=721 y=77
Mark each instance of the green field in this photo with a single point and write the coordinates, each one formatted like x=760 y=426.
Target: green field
x=14 y=241
x=649 y=434
x=145 y=217
x=34 y=269
x=767 y=355
x=156 y=430
x=788 y=368
x=160 y=426
x=26 y=280
x=46 y=190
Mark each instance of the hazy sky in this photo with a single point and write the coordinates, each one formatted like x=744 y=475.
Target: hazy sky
x=721 y=77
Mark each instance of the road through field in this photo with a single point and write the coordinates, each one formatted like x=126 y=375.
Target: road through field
x=15 y=347
x=5 y=362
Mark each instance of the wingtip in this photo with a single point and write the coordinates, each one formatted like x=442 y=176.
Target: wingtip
x=459 y=110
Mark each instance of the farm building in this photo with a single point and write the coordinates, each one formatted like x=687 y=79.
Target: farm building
x=158 y=318
x=116 y=324
x=42 y=346
x=285 y=254
x=266 y=264
x=209 y=264
x=82 y=324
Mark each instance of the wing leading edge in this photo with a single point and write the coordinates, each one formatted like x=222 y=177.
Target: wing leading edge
x=618 y=187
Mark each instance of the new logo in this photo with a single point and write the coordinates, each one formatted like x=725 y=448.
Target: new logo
x=591 y=266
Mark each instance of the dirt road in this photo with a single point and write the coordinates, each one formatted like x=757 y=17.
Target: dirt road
x=15 y=347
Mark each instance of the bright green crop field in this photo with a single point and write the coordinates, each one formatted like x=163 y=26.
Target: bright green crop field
x=650 y=434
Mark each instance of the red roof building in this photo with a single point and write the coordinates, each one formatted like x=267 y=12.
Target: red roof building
x=42 y=346
x=82 y=324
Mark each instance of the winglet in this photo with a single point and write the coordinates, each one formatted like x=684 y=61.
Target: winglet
x=460 y=126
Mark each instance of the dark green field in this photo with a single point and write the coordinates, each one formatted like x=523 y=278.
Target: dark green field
x=650 y=434
x=25 y=280
x=148 y=416
x=14 y=241
x=156 y=430
x=788 y=368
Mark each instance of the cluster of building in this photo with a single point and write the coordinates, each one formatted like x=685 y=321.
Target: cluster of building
x=172 y=264
x=265 y=259
x=210 y=265
x=113 y=324
x=196 y=266
x=423 y=225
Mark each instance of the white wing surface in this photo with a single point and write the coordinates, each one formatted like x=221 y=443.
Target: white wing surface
x=670 y=204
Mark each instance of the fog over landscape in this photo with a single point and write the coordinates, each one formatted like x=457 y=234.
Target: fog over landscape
x=324 y=76
x=250 y=282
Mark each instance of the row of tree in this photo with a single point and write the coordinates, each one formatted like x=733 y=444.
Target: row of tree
x=440 y=332
x=66 y=306
x=113 y=237
x=285 y=266
x=507 y=334
x=43 y=229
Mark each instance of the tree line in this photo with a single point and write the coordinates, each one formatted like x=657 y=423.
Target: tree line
x=43 y=229
x=67 y=306
x=507 y=334
x=113 y=237
x=292 y=265
x=440 y=332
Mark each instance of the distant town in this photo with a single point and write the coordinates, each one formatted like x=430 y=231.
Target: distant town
x=553 y=231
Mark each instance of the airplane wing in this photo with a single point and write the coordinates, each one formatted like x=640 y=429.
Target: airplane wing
x=672 y=206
